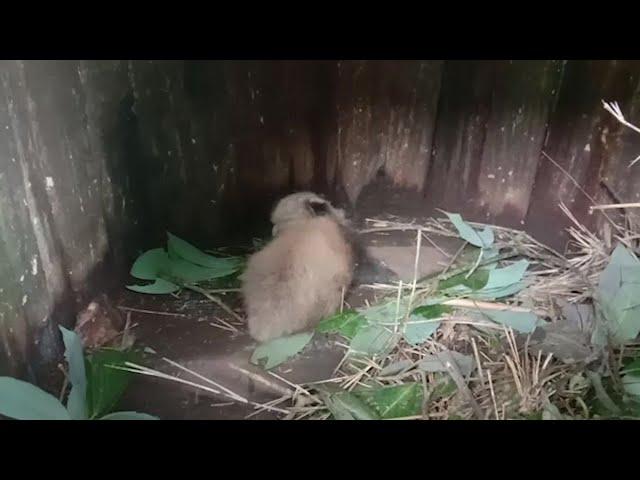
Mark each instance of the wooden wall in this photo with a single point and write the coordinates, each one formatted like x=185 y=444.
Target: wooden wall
x=99 y=158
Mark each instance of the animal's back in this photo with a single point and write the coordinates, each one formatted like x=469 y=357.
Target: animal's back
x=297 y=279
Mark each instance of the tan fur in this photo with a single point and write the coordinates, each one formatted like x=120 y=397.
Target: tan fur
x=298 y=278
x=292 y=209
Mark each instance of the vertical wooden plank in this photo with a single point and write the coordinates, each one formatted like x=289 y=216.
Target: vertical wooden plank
x=463 y=113
x=385 y=120
x=581 y=139
x=524 y=93
x=620 y=176
x=412 y=90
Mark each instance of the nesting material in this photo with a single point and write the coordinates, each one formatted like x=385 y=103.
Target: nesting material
x=472 y=368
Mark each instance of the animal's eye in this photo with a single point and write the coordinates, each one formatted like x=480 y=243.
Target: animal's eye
x=318 y=208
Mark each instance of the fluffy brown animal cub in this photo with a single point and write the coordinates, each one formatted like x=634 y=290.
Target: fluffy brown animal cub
x=299 y=277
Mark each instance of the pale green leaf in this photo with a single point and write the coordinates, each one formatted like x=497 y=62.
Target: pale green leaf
x=395 y=368
x=106 y=384
x=622 y=313
x=418 y=329
x=601 y=393
x=423 y=322
x=22 y=401
x=396 y=401
x=497 y=293
x=279 y=350
x=436 y=363
x=488 y=284
x=129 y=416
x=159 y=287
x=482 y=239
x=551 y=412
x=612 y=276
x=77 y=401
x=347 y=406
x=196 y=256
x=347 y=323
x=504 y=277
x=151 y=264
x=386 y=313
x=185 y=272
x=371 y=340
x=489 y=253
x=523 y=322
x=476 y=281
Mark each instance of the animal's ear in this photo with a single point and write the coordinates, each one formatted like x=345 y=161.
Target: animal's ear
x=317 y=208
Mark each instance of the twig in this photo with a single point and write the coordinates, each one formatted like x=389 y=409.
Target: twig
x=139 y=369
x=230 y=393
x=614 y=206
x=125 y=333
x=435 y=245
x=579 y=187
x=215 y=300
x=260 y=379
x=65 y=382
x=493 y=394
x=151 y=312
x=614 y=110
x=479 y=305
x=415 y=274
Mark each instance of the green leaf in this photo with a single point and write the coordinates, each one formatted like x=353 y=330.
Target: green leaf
x=482 y=239
x=504 y=277
x=394 y=402
x=196 y=256
x=422 y=323
x=23 y=401
x=523 y=322
x=436 y=363
x=601 y=393
x=279 y=350
x=622 y=313
x=612 y=276
x=500 y=282
x=129 y=416
x=619 y=296
x=432 y=311
x=159 y=287
x=151 y=264
x=385 y=313
x=106 y=384
x=631 y=385
x=551 y=412
x=476 y=281
x=371 y=340
x=77 y=401
x=347 y=406
x=168 y=269
x=395 y=368
x=497 y=293
x=444 y=387
x=347 y=323
x=185 y=272
x=418 y=330
x=632 y=368
x=489 y=253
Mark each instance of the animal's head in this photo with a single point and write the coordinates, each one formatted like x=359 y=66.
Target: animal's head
x=302 y=206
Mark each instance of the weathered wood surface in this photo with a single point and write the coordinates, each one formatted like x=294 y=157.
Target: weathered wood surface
x=99 y=159
x=586 y=141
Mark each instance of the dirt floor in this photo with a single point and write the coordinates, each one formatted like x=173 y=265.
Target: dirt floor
x=196 y=333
